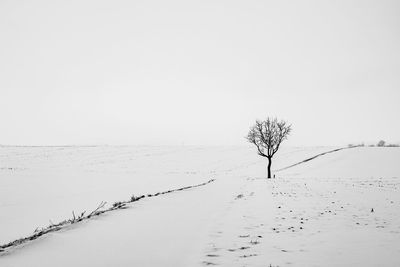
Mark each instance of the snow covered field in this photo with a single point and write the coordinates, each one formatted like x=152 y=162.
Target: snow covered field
x=340 y=209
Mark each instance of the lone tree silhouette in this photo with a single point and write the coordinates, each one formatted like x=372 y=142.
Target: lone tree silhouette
x=267 y=136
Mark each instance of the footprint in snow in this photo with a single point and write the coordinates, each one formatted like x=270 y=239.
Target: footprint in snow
x=208 y=263
x=239 y=196
x=248 y=255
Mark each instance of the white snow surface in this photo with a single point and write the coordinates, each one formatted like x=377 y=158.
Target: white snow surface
x=318 y=213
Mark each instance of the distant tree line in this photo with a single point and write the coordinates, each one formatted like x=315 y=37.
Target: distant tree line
x=381 y=143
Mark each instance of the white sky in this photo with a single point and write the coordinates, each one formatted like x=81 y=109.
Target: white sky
x=197 y=72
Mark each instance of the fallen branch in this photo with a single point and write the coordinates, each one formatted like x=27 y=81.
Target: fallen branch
x=76 y=219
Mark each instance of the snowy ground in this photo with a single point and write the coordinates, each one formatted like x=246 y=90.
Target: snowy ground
x=315 y=214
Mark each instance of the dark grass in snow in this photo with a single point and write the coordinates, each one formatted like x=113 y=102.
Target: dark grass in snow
x=313 y=157
x=83 y=216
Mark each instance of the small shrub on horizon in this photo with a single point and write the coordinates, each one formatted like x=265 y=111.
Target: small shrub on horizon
x=393 y=145
x=381 y=143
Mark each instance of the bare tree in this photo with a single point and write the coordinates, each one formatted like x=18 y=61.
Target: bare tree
x=267 y=136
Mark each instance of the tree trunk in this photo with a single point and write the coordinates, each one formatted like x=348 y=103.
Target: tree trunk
x=269 y=167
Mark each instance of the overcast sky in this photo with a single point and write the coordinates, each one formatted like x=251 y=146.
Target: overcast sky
x=197 y=72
